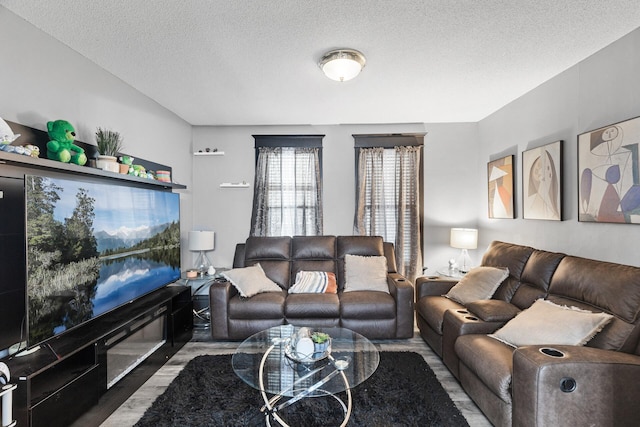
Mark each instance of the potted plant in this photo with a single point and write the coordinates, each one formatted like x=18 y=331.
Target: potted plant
x=109 y=145
x=321 y=343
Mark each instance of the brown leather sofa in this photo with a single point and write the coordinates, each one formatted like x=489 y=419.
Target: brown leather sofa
x=374 y=314
x=541 y=385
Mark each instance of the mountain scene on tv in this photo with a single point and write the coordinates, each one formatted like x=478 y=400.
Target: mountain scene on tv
x=93 y=247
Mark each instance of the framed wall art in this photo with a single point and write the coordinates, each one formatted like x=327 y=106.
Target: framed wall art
x=542 y=182
x=608 y=174
x=500 y=189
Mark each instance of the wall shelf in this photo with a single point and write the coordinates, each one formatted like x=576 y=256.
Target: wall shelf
x=40 y=163
x=234 y=185
x=208 y=153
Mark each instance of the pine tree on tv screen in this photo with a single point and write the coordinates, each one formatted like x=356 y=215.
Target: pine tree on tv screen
x=92 y=247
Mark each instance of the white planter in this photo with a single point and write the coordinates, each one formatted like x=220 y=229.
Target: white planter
x=108 y=163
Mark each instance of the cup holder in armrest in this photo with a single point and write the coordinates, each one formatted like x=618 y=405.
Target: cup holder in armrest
x=471 y=318
x=462 y=311
x=551 y=352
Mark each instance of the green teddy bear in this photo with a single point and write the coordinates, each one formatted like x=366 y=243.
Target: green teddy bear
x=61 y=146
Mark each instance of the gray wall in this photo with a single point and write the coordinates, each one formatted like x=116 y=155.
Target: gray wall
x=449 y=198
x=41 y=79
x=44 y=80
x=601 y=90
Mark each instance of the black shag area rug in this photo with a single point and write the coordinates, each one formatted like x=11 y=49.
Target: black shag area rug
x=403 y=391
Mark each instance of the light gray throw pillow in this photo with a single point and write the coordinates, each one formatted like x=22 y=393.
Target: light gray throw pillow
x=365 y=273
x=250 y=281
x=479 y=283
x=548 y=323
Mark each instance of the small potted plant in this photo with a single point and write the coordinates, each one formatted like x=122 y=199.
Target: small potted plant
x=109 y=145
x=321 y=344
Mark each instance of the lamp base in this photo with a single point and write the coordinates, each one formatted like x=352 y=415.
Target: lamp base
x=464 y=262
x=202 y=264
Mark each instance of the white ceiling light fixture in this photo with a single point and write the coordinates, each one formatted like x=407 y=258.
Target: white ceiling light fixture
x=342 y=64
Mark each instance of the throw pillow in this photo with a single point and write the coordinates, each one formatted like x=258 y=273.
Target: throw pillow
x=365 y=273
x=314 y=282
x=548 y=323
x=479 y=283
x=250 y=281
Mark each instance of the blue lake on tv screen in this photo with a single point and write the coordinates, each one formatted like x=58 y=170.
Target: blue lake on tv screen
x=127 y=278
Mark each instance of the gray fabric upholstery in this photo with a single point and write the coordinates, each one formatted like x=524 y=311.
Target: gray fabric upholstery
x=373 y=314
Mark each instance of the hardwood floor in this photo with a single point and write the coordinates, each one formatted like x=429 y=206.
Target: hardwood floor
x=135 y=405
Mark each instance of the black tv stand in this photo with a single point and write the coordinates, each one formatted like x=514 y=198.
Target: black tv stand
x=70 y=372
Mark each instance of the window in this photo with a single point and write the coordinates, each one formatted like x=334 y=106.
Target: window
x=287 y=198
x=389 y=195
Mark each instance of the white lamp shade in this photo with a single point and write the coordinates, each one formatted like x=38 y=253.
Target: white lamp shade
x=201 y=240
x=464 y=238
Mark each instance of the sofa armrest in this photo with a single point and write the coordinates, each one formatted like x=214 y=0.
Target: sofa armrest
x=493 y=310
x=219 y=295
x=577 y=386
x=402 y=291
x=460 y=322
x=433 y=286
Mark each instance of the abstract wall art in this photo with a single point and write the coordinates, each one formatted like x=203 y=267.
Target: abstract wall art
x=542 y=182
x=609 y=177
x=500 y=177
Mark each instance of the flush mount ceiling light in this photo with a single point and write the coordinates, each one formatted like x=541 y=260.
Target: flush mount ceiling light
x=342 y=64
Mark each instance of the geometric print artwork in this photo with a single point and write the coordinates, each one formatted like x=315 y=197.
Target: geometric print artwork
x=542 y=182
x=609 y=176
x=500 y=188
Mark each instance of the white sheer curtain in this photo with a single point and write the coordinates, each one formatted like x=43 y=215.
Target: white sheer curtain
x=287 y=197
x=388 y=202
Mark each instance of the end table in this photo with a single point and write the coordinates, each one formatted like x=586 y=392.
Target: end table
x=200 y=296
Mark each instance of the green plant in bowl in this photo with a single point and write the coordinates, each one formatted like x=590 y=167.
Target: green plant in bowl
x=319 y=337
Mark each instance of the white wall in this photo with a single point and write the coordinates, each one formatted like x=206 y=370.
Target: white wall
x=41 y=80
x=228 y=211
x=601 y=90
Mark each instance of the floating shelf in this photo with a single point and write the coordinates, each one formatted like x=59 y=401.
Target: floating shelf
x=208 y=153
x=46 y=164
x=234 y=185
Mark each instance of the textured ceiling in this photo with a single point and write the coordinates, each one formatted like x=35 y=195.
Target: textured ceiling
x=236 y=62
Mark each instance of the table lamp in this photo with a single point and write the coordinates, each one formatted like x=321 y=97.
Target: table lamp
x=201 y=241
x=464 y=238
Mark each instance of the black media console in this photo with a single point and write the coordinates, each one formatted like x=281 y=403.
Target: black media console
x=69 y=373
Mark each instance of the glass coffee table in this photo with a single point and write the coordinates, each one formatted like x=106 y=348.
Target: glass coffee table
x=268 y=362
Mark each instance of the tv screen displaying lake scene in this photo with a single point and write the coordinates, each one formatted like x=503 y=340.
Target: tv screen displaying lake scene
x=92 y=247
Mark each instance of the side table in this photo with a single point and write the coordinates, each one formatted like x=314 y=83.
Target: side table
x=200 y=296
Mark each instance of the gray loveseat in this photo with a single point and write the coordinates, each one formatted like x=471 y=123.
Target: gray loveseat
x=597 y=384
x=374 y=314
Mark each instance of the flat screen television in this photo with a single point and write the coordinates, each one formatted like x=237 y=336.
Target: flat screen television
x=92 y=247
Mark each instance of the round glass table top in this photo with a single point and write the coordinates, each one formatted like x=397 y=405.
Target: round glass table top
x=266 y=361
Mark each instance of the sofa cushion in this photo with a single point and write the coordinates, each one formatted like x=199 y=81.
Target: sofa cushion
x=367 y=305
x=614 y=288
x=479 y=283
x=268 y=305
x=312 y=306
x=314 y=282
x=547 y=323
x=250 y=281
x=365 y=273
x=493 y=310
